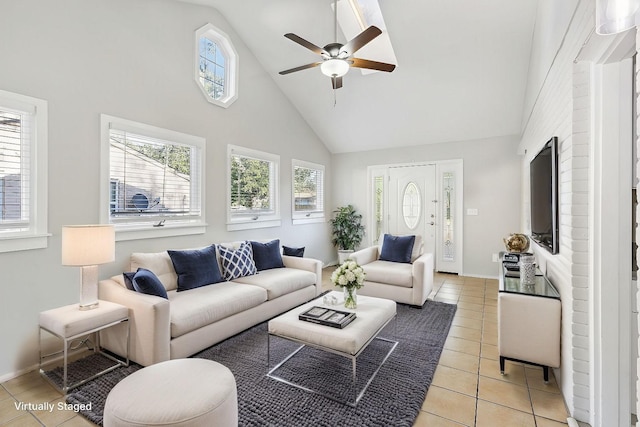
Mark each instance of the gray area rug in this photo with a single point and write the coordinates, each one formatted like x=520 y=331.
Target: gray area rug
x=393 y=398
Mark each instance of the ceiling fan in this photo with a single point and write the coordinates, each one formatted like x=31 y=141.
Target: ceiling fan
x=338 y=58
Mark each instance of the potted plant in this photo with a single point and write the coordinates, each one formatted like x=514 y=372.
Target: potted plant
x=347 y=230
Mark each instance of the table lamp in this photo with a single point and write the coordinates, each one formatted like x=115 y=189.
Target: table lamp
x=87 y=246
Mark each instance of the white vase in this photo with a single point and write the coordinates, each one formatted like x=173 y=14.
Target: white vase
x=343 y=255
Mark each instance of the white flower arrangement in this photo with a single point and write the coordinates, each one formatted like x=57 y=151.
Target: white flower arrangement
x=348 y=275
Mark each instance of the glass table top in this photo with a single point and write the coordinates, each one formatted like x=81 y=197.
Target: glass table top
x=542 y=287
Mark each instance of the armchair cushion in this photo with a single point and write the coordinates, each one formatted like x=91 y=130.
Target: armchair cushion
x=397 y=248
x=392 y=273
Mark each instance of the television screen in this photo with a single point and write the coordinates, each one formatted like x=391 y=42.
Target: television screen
x=544 y=196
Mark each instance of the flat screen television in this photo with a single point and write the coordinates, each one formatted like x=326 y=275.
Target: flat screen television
x=544 y=196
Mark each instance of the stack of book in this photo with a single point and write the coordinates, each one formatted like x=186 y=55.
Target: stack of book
x=327 y=317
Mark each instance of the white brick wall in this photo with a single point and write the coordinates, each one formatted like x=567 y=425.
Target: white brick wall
x=562 y=109
x=637 y=179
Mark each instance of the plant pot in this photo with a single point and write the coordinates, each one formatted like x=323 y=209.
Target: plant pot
x=343 y=255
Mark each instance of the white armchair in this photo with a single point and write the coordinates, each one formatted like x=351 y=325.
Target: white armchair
x=408 y=283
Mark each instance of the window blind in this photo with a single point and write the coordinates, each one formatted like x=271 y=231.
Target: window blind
x=308 y=190
x=152 y=178
x=15 y=168
x=252 y=185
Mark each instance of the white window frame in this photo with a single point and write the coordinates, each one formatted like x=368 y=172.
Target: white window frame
x=35 y=235
x=252 y=221
x=306 y=217
x=231 y=64
x=171 y=226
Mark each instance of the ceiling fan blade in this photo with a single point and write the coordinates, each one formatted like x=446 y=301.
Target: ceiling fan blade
x=302 y=42
x=336 y=82
x=372 y=65
x=360 y=40
x=300 y=68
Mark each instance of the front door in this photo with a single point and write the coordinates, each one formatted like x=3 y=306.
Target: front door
x=412 y=206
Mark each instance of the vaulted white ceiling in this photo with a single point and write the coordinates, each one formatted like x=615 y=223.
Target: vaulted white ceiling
x=461 y=73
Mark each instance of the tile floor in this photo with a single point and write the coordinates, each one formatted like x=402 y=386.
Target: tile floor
x=467 y=389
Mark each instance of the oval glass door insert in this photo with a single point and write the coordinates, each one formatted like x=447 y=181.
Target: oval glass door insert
x=411 y=205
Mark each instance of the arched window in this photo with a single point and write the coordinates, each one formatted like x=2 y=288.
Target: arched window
x=216 y=66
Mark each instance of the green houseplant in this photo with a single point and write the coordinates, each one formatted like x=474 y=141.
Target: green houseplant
x=347 y=230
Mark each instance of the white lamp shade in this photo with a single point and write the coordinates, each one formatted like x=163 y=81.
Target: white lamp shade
x=334 y=67
x=88 y=244
x=615 y=16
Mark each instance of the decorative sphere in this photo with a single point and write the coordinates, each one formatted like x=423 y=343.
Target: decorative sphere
x=516 y=242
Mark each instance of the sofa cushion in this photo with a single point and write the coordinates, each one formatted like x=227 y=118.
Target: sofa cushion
x=397 y=248
x=195 y=308
x=267 y=255
x=237 y=262
x=145 y=282
x=297 y=252
x=392 y=273
x=196 y=267
x=161 y=265
x=280 y=281
x=127 y=277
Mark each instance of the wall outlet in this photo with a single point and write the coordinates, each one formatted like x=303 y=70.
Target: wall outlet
x=472 y=211
x=494 y=257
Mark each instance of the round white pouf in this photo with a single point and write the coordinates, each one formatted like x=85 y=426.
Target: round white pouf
x=181 y=392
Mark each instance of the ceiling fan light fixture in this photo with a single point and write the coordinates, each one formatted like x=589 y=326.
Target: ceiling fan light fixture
x=334 y=67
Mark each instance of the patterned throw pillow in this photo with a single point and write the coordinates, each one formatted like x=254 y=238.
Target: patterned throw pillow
x=237 y=262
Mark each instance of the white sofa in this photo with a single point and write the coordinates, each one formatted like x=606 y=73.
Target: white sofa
x=408 y=283
x=192 y=320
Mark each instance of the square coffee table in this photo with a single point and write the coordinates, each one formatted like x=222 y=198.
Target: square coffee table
x=373 y=315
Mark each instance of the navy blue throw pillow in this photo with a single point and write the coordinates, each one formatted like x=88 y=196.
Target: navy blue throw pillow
x=299 y=252
x=397 y=248
x=267 y=255
x=196 y=267
x=145 y=282
x=128 y=280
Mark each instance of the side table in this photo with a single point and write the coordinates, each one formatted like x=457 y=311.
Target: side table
x=529 y=322
x=68 y=323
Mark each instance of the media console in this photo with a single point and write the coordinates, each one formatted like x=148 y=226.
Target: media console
x=528 y=322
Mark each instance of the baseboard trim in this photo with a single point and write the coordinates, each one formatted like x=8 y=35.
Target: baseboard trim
x=11 y=375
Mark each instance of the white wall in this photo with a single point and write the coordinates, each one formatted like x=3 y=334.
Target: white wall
x=491 y=185
x=561 y=108
x=131 y=59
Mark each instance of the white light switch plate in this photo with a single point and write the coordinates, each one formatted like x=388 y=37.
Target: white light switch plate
x=472 y=211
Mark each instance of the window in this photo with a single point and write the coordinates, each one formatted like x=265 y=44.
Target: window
x=23 y=172
x=216 y=66
x=308 y=192
x=154 y=179
x=253 y=189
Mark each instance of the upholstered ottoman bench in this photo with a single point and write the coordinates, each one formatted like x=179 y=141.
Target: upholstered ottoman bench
x=180 y=392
